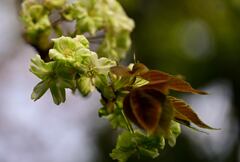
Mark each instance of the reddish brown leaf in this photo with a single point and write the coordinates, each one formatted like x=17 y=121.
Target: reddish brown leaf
x=121 y=71
x=139 y=68
x=155 y=77
x=185 y=113
x=164 y=82
x=156 y=94
x=161 y=87
x=188 y=124
x=180 y=85
x=129 y=112
x=146 y=109
x=167 y=113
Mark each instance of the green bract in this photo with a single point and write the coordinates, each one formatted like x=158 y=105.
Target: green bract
x=55 y=76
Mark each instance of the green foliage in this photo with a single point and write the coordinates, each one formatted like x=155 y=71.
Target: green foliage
x=129 y=95
x=138 y=144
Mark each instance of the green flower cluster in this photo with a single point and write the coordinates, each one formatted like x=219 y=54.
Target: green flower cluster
x=107 y=15
x=90 y=16
x=73 y=66
x=37 y=24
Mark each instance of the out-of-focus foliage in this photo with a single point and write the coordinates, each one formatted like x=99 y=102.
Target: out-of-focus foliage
x=91 y=17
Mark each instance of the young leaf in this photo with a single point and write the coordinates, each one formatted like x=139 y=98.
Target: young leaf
x=122 y=154
x=164 y=82
x=149 y=152
x=41 y=69
x=58 y=94
x=150 y=142
x=180 y=85
x=129 y=112
x=125 y=147
x=129 y=144
x=146 y=109
x=40 y=89
x=154 y=76
x=185 y=113
x=121 y=71
x=116 y=119
x=139 y=69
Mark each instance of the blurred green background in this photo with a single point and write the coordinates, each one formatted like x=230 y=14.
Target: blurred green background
x=199 y=39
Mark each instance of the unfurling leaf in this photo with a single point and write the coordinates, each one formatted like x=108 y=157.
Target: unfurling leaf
x=180 y=85
x=41 y=69
x=154 y=76
x=121 y=71
x=129 y=144
x=164 y=82
x=144 y=107
x=183 y=112
x=139 y=69
x=125 y=147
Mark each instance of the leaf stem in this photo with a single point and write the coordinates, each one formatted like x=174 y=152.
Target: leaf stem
x=129 y=125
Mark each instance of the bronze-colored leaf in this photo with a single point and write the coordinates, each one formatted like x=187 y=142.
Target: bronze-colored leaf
x=121 y=71
x=184 y=112
x=167 y=113
x=164 y=82
x=180 y=85
x=156 y=94
x=155 y=77
x=161 y=87
x=129 y=112
x=139 y=69
x=183 y=122
x=188 y=124
x=146 y=109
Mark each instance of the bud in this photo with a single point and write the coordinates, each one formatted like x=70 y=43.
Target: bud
x=84 y=85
